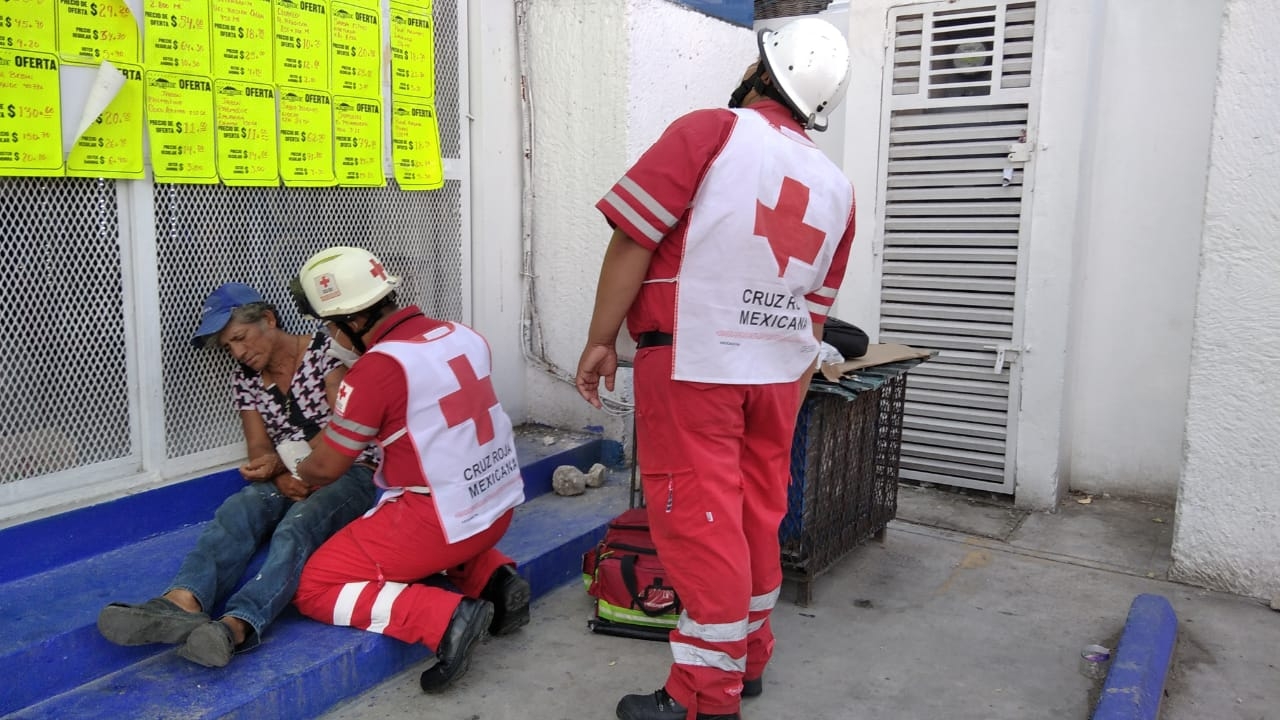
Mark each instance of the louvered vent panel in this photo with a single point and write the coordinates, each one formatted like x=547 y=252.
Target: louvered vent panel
x=949 y=275
x=964 y=52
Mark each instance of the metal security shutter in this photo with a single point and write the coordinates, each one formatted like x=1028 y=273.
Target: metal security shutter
x=958 y=114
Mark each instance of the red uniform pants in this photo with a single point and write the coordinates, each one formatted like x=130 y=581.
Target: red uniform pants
x=364 y=576
x=715 y=463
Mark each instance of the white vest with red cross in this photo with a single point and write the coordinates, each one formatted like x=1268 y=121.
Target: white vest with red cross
x=763 y=228
x=461 y=435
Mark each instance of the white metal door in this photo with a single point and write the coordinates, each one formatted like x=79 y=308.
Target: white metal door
x=956 y=155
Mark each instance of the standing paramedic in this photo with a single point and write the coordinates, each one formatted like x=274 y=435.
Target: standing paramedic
x=421 y=390
x=731 y=235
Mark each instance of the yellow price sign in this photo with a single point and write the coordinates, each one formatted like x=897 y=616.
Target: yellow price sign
x=413 y=52
x=112 y=146
x=94 y=30
x=306 y=137
x=177 y=36
x=242 y=40
x=415 y=147
x=302 y=43
x=29 y=25
x=30 y=114
x=357 y=46
x=180 y=125
x=357 y=124
x=246 y=114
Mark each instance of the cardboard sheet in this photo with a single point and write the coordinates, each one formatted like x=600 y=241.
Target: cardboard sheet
x=876 y=355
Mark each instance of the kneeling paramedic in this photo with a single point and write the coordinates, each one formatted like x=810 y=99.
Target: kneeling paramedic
x=420 y=388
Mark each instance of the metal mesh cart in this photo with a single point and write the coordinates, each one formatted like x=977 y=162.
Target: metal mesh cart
x=844 y=470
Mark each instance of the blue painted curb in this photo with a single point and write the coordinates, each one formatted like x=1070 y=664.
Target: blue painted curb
x=1135 y=684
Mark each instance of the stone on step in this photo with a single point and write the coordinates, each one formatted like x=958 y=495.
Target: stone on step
x=568 y=480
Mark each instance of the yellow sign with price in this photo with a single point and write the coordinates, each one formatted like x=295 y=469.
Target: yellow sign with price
x=29 y=25
x=94 y=30
x=415 y=147
x=30 y=114
x=242 y=40
x=306 y=137
x=302 y=43
x=413 y=50
x=246 y=133
x=358 y=141
x=177 y=36
x=112 y=146
x=357 y=45
x=180 y=124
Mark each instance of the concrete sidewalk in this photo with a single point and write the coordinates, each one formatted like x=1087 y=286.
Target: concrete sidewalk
x=981 y=619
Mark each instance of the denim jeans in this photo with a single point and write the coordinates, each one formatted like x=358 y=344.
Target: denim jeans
x=259 y=513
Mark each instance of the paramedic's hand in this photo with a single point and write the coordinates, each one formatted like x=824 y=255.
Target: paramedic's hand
x=262 y=468
x=291 y=487
x=597 y=361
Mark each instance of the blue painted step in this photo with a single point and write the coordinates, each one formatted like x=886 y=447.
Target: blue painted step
x=48 y=636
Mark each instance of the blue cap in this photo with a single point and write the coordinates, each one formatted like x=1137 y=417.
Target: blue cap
x=216 y=312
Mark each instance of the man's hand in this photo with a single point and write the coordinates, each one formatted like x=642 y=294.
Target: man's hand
x=262 y=468
x=598 y=361
x=291 y=487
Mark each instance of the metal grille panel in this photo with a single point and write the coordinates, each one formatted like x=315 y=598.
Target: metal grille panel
x=210 y=234
x=64 y=379
x=448 y=77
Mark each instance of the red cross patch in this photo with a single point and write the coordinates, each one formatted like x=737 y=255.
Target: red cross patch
x=472 y=401
x=784 y=227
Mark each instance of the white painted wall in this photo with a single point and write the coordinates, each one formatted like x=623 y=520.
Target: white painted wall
x=606 y=79
x=1138 y=242
x=1228 y=517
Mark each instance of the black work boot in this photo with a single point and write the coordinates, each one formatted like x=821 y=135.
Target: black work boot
x=509 y=594
x=468 y=625
x=660 y=706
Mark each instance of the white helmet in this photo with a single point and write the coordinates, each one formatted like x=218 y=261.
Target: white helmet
x=341 y=281
x=809 y=61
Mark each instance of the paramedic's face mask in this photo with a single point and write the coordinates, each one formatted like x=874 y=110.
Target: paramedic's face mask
x=338 y=348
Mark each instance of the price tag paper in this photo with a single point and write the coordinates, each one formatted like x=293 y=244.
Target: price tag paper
x=413 y=53
x=357 y=45
x=358 y=141
x=415 y=147
x=242 y=40
x=177 y=36
x=246 y=115
x=302 y=43
x=112 y=146
x=306 y=137
x=180 y=124
x=92 y=30
x=30 y=114
x=29 y=25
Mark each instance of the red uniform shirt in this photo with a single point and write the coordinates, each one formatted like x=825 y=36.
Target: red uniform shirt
x=649 y=204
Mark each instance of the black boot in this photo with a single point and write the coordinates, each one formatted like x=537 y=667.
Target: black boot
x=660 y=706
x=468 y=625
x=509 y=594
